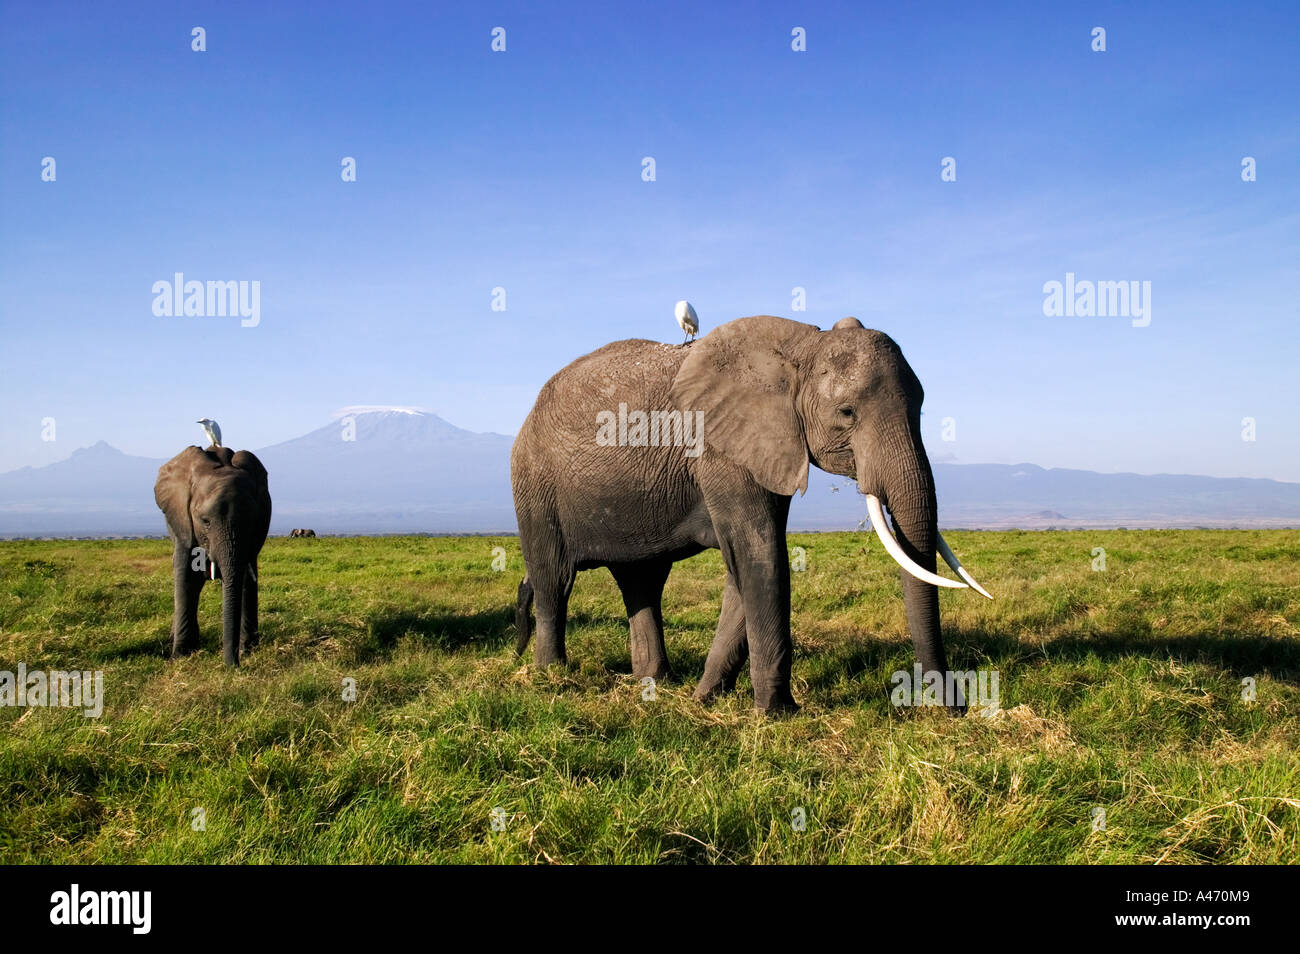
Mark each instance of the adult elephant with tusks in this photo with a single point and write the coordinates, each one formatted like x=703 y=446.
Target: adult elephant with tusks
x=711 y=441
x=218 y=512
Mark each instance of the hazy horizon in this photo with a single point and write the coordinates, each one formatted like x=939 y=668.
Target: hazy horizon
x=339 y=413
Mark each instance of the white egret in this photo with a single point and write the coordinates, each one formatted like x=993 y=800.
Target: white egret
x=687 y=320
x=214 y=432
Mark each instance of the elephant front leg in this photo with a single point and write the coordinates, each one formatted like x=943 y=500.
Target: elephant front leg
x=730 y=648
x=249 y=636
x=187 y=584
x=766 y=595
x=750 y=527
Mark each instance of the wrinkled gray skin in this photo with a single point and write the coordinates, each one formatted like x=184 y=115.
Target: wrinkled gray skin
x=776 y=395
x=216 y=499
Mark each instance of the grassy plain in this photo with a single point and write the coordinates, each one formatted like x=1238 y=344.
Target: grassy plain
x=1121 y=691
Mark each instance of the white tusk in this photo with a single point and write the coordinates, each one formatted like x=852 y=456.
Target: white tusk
x=951 y=559
x=212 y=569
x=896 y=550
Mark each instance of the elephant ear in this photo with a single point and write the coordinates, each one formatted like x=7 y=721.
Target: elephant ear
x=247 y=462
x=172 y=490
x=743 y=377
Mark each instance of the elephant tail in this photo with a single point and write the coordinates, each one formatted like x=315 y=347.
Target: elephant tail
x=523 y=616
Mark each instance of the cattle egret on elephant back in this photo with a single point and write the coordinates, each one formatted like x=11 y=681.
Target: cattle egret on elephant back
x=214 y=432
x=687 y=320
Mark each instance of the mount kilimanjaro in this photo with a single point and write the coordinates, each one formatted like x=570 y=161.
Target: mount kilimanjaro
x=406 y=471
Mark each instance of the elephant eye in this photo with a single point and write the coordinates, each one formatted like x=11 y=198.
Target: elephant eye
x=846 y=412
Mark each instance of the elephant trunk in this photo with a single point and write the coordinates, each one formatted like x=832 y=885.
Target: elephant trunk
x=233 y=568
x=906 y=483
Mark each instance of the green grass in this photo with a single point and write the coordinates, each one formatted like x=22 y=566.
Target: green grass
x=1120 y=690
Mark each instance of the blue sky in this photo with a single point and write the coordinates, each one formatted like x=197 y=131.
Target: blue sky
x=774 y=169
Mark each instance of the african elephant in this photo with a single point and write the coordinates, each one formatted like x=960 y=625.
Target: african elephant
x=302 y=533
x=641 y=454
x=218 y=512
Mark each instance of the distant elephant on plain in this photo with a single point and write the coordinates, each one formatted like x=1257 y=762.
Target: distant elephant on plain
x=218 y=511
x=610 y=470
x=302 y=533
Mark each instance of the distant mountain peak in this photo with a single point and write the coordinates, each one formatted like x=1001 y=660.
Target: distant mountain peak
x=403 y=469
x=367 y=430
x=355 y=409
x=97 y=449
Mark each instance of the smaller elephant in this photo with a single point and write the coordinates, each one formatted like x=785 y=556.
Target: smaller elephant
x=218 y=512
x=302 y=533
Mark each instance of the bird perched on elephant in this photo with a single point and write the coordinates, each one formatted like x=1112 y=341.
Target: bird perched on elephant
x=212 y=429
x=687 y=320
x=218 y=511
x=607 y=472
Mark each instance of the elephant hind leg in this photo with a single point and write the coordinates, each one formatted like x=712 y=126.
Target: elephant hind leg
x=523 y=616
x=551 y=601
x=642 y=585
x=730 y=647
x=549 y=575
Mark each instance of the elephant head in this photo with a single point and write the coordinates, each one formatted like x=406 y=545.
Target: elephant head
x=779 y=394
x=218 y=500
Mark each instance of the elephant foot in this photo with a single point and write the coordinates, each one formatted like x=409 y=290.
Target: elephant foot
x=248 y=643
x=660 y=673
x=715 y=683
x=710 y=688
x=183 y=649
x=775 y=701
x=780 y=710
x=545 y=661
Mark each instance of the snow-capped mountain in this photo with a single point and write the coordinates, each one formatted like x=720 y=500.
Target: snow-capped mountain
x=390 y=471
x=404 y=470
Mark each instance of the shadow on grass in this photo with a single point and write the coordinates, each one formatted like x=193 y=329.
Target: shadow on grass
x=491 y=629
x=135 y=648
x=1242 y=654
x=687 y=664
